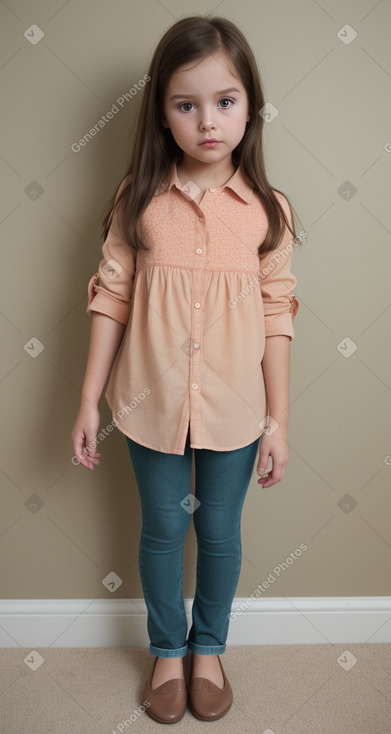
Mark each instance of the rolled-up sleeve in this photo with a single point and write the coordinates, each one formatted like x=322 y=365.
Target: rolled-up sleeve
x=110 y=289
x=277 y=282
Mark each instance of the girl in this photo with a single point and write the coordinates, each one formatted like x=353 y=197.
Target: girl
x=192 y=319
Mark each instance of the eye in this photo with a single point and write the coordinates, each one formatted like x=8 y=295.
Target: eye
x=223 y=99
x=226 y=99
x=182 y=104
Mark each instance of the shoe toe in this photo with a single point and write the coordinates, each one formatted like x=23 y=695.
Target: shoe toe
x=166 y=703
x=206 y=700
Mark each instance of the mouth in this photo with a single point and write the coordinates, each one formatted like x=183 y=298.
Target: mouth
x=210 y=141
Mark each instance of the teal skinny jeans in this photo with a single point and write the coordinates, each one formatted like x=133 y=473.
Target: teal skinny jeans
x=222 y=479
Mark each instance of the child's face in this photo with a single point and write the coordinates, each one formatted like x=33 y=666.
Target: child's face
x=202 y=111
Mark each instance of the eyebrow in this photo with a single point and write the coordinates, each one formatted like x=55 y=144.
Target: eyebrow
x=223 y=91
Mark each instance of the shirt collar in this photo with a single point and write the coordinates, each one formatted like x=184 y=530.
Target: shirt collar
x=236 y=183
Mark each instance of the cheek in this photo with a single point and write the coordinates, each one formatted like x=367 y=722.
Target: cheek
x=240 y=120
x=236 y=126
x=181 y=126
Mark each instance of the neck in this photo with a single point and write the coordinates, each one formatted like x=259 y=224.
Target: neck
x=205 y=174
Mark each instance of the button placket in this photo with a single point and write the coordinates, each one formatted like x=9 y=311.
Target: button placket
x=197 y=316
x=195 y=344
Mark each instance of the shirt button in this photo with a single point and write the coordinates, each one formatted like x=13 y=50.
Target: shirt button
x=197 y=305
x=194 y=386
x=196 y=345
x=199 y=251
x=212 y=190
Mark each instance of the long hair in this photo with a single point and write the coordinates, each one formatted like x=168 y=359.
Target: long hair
x=154 y=148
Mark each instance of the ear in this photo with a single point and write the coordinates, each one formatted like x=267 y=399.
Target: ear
x=164 y=122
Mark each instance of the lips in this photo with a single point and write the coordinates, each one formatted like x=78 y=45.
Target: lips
x=209 y=140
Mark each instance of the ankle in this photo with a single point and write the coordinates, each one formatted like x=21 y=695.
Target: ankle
x=170 y=663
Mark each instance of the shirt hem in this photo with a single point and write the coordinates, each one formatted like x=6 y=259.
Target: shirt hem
x=230 y=448
x=182 y=452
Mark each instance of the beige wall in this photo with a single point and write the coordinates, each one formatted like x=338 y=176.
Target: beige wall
x=332 y=134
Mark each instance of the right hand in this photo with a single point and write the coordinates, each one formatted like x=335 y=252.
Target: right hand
x=84 y=433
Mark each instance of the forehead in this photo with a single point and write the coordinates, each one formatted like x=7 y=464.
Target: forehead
x=213 y=71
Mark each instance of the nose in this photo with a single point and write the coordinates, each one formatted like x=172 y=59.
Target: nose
x=207 y=122
x=208 y=126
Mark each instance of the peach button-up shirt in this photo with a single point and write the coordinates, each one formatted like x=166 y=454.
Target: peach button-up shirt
x=197 y=307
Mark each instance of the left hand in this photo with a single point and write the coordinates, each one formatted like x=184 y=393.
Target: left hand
x=276 y=445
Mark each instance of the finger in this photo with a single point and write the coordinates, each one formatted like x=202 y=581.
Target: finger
x=87 y=462
x=90 y=443
x=266 y=483
x=78 y=447
x=278 y=472
x=272 y=477
x=92 y=456
x=91 y=451
x=268 y=480
x=262 y=462
x=81 y=453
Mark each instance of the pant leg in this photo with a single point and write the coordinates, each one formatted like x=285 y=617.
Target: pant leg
x=222 y=481
x=163 y=480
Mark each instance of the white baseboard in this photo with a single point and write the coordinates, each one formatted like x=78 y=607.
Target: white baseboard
x=122 y=622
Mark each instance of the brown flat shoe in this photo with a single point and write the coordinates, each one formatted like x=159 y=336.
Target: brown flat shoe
x=207 y=701
x=167 y=702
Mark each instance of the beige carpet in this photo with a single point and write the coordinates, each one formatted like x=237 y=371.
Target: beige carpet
x=292 y=689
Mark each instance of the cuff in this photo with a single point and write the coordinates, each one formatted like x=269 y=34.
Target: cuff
x=102 y=301
x=282 y=324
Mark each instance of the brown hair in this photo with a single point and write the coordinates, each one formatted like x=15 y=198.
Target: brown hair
x=154 y=148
